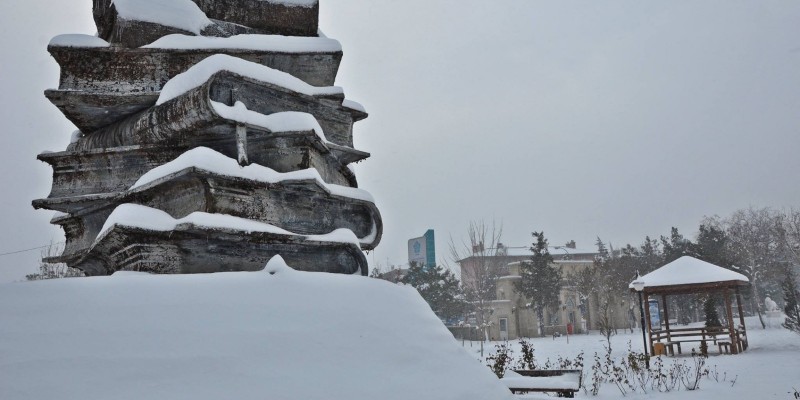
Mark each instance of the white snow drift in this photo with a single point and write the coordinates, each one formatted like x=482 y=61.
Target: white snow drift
x=242 y=335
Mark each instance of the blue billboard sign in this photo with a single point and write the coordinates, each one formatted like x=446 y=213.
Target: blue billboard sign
x=422 y=250
x=655 y=315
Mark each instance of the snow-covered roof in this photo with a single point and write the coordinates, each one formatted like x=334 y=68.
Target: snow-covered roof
x=689 y=271
x=520 y=251
x=272 y=334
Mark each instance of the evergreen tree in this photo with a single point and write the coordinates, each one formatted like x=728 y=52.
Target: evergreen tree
x=683 y=306
x=602 y=250
x=712 y=245
x=676 y=246
x=791 y=298
x=541 y=280
x=439 y=287
x=710 y=309
x=650 y=256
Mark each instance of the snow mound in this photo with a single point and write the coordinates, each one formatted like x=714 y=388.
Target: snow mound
x=129 y=273
x=181 y=14
x=277 y=265
x=200 y=73
x=242 y=335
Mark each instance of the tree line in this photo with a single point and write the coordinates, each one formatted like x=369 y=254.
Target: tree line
x=763 y=244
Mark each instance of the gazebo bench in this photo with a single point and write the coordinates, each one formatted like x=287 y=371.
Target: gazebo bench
x=690 y=335
x=672 y=343
x=726 y=345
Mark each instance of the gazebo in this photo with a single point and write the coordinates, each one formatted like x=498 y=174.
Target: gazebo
x=688 y=275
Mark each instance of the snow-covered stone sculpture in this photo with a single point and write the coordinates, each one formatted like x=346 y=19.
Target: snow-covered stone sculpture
x=211 y=138
x=770 y=304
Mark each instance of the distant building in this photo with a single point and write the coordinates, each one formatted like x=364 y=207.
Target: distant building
x=512 y=315
x=422 y=250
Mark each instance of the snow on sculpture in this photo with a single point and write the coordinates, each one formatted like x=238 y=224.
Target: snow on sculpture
x=770 y=305
x=211 y=138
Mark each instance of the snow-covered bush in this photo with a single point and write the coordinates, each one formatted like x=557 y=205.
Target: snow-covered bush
x=630 y=373
x=500 y=361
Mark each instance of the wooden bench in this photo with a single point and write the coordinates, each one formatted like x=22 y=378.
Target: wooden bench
x=676 y=337
x=563 y=382
x=726 y=345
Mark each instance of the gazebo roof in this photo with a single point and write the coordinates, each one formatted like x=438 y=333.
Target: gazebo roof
x=687 y=272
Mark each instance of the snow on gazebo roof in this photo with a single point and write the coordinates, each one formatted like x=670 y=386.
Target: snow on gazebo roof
x=689 y=271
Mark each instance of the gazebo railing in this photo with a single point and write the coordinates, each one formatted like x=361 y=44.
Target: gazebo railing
x=675 y=337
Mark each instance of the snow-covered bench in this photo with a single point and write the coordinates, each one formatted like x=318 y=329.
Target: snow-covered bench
x=563 y=382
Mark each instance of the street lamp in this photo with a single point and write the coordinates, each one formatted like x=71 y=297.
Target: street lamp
x=638 y=285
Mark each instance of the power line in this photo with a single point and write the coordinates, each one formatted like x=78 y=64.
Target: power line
x=26 y=250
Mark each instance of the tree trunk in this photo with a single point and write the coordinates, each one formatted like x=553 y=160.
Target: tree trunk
x=540 y=317
x=758 y=305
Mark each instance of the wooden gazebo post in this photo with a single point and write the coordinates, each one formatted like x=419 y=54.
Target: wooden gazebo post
x=741 y=319
x=666 y=318
x=647 y=320
x=731 y=327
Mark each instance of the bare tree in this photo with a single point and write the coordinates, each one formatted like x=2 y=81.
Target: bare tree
x=791 y=299
x=605 y=317
x=788 y=232
x=395 y=273
x=754 y=247
x=605 y=274
x=583 y=282
x=51 y=270
x=481 y=264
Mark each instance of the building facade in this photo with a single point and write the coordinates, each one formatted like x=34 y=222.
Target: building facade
x=511 y=315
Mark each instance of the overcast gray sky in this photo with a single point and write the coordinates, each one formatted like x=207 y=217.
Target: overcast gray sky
x=581 y=119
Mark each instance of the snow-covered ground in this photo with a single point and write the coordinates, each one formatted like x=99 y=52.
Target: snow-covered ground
x=769 y=369
x=283 y=334
x=275 y=334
